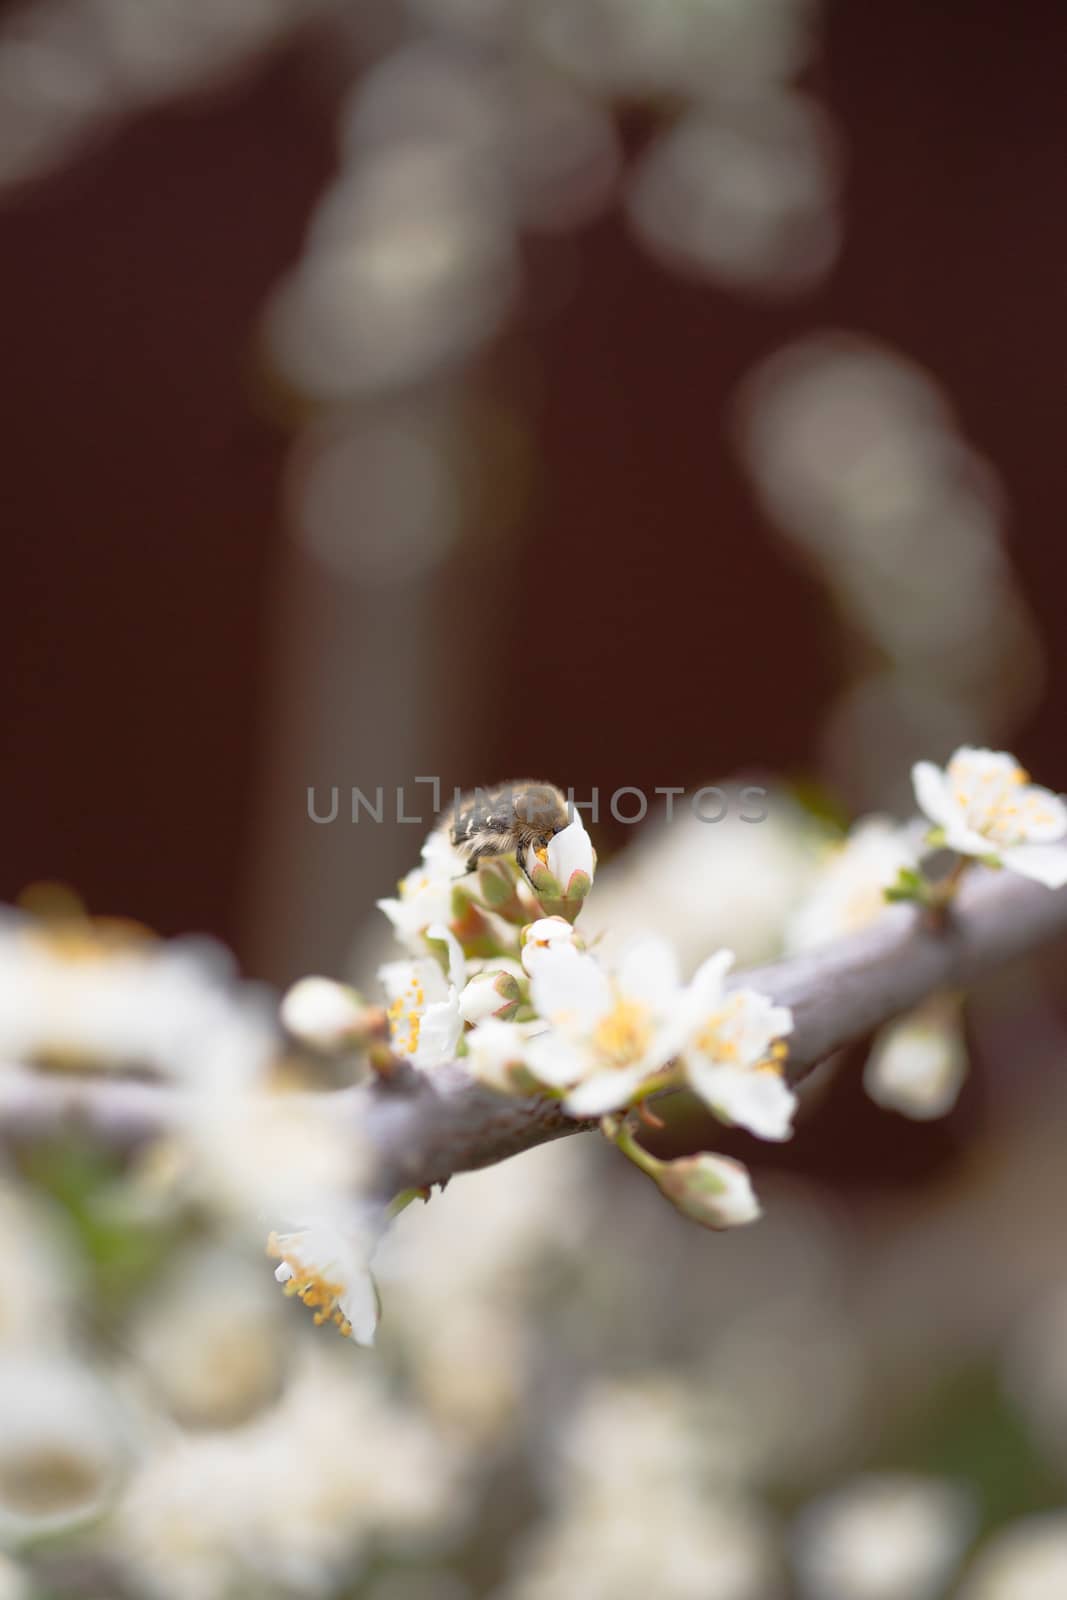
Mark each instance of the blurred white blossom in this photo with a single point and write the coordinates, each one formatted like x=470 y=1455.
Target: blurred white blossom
x=208 y=1344
x=882 y=1538
x=742 y=195
x=1027 y=1560
x=62 y=1446
x=632 y=1516
x=849 y=892
x=324 y=1014
x=705 y=886
x=918 y=1066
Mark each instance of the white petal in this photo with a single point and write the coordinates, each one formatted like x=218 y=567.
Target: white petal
x=547 y=933
x=556 y=1059
x=648 y=973
x=737 y=1205
x=760 y=1101
x=967 y=842
x=457 y=966
x=439 y=1030
x=361 y=1306
x=707 y=981
x=917 y=1067
x=1043 y=816
x=932 y=793
x=321 y=1012
x=492 y=1047
x=1044 y=863
x=603 y=1092
x=570 y=851
x=570 y=989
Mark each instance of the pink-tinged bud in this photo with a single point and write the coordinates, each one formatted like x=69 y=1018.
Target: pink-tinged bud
x=571 y=859
x=490 y=994
x=711 y=1190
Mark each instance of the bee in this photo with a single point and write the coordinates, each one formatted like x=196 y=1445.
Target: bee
x=509 y=819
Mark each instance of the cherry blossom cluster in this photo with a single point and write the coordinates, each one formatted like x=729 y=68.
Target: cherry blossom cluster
x=496 y=974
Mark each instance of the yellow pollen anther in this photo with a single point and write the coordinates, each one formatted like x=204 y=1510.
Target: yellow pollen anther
x=312 y=1289
x=624 y=1033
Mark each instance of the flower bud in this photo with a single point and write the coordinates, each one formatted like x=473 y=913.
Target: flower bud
x=496 y=1057
x=326 y=1015
x=711 y=1190
x=490 y=994
x=562 y=874
x=547 y=933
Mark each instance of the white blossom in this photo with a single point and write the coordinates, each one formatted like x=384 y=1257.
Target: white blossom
x=496 y=1055
x=190 y=1340
x=733 y=1052
x=889 y=1537
x=326 y=1264
x=425 y=1018
x=323 y=1013
x=849 y=893
x=83 y=992
x=61 y=1451
x=705 y=885
x=632 y=1459
x=424 y=897
x=918 y=1066
x=607 y=1034
x=547 y=933
x=292 y=1502
x=1027 y=1560
x=985 y=806
x=14 y=1582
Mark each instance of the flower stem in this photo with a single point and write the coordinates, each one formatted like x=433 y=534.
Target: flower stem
x=622 y=1136
x=944 y=892
x=401 y=1201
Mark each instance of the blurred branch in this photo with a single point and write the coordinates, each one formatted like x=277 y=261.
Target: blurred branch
x=425 y=1127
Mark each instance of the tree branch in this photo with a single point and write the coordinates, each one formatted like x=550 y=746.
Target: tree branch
x=424 y=1127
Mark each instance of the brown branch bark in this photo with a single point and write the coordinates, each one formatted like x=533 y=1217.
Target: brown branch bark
x=426 y=1127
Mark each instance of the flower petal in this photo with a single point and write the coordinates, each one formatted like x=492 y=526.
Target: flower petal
x=648 y=973
x=570 y=989
x=603 y=1092
x=707 y=981
x=556 y=1059
x=758 y=1100
x=570 y=851
x=1044 y=863
x=932 y=794
x=457 y=966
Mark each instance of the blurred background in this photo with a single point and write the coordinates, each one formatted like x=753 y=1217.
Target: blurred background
x=620 y=392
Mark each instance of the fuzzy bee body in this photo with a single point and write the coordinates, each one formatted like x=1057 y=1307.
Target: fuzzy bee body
x=509 y=819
